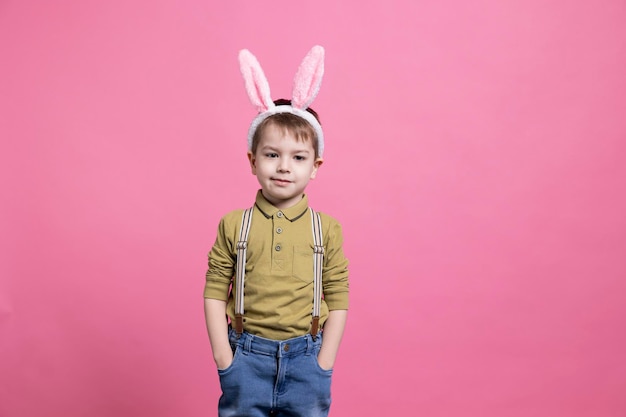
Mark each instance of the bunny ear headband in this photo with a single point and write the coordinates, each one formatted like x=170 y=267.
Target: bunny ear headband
x=306 y=85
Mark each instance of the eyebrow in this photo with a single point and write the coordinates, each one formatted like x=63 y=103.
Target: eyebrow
x=273 y=149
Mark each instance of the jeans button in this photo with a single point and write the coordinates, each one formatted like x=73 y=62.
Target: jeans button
x=286 y=348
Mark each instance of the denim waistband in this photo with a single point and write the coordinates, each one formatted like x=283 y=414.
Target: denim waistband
x=302 y=345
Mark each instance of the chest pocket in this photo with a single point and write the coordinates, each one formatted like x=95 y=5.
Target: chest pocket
x=303 y=263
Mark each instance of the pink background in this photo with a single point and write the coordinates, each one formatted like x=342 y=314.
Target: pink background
x=475 y=156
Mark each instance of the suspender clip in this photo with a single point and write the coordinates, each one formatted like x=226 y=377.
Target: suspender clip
x=239 y=324
x=315 y=327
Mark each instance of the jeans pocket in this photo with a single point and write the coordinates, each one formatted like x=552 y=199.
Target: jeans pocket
x=226 y=370
x=319 y=367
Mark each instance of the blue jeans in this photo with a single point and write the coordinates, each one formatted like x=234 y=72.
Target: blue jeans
x=274 y=378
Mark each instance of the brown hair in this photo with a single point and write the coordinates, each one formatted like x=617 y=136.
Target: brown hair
x=288 y=122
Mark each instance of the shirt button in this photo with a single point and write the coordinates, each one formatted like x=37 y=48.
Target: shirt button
x=286 y=348
x=279 y=214
x=279 y=230
x=277 y=248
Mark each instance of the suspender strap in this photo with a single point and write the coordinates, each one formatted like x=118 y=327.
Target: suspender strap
x=318 y=264
x=242 y=245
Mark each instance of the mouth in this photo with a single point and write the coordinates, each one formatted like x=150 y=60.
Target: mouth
x=281 y=181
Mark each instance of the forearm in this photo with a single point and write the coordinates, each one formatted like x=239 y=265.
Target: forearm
x=333 y=332
x=217 y=327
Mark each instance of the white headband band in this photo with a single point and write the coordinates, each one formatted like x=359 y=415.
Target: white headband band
x=306 y=85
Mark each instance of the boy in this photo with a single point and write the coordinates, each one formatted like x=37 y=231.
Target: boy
x=272 y=360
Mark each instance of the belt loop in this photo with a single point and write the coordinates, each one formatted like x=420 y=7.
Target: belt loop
x=247 y=344
x=309 y=345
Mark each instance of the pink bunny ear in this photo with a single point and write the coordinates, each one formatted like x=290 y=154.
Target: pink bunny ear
x=257 y=87
x=308 y=79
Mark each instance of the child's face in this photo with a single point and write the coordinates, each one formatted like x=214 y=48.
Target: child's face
x=283 y=166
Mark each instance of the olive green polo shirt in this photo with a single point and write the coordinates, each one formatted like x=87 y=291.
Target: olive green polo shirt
x=278 y=295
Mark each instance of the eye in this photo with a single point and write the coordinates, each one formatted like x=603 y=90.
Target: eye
x=299 y=158
x=271 y=155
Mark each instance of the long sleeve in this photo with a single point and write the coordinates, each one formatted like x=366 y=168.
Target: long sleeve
x=335 y=274
x=221 y=265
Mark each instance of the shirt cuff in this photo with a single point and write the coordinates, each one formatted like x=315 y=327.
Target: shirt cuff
x=337 y=301
x=216 y=290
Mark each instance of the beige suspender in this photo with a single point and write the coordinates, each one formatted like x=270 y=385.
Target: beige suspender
x=242 y=245
x=318 y=265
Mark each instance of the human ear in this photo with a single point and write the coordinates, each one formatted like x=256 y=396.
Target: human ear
x=318 y=162
x=252 y=160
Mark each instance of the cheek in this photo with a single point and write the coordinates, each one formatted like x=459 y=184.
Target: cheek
x=264 y=168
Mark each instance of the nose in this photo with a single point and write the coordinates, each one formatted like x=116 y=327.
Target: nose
x=283 y=165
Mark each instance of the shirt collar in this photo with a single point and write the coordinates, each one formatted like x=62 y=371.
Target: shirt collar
x=292 y=213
